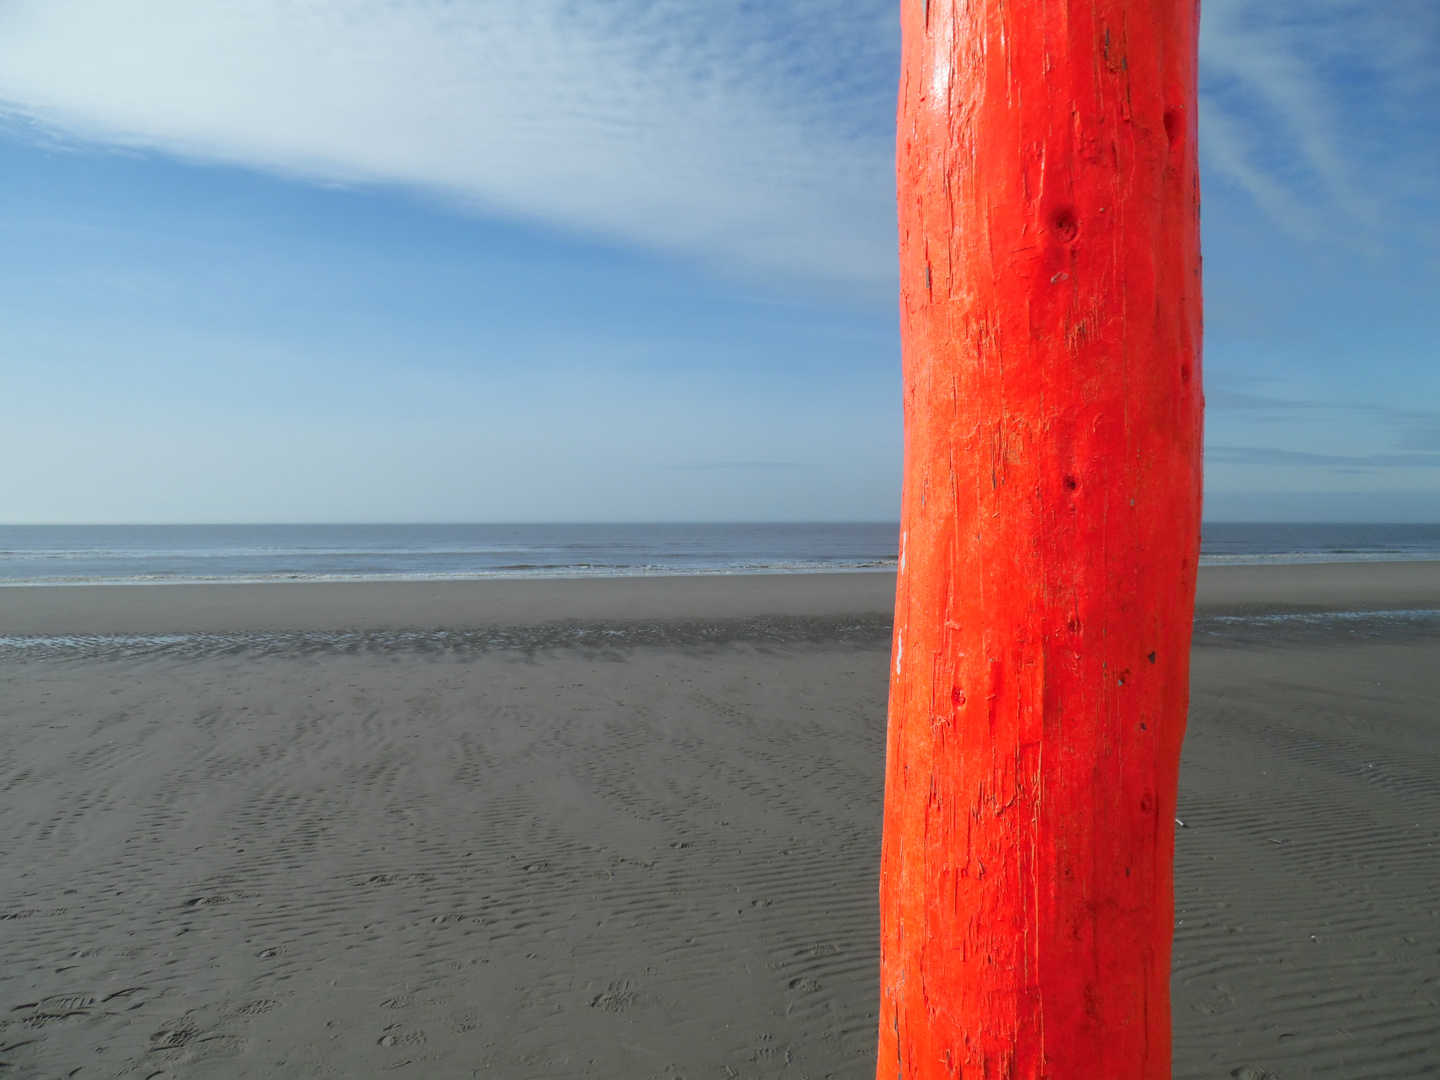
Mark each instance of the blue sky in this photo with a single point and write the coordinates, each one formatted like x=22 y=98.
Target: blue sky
x=434 y=260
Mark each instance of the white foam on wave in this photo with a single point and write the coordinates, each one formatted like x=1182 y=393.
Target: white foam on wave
x=1322 y=618
x=568 y=570
x=1293 y=558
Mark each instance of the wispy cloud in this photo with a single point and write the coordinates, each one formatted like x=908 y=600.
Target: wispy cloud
x=1265 y=455
x=1413 y=430
x=1411 y=436
x=1323 y=110
x=751 y=136
x=757 y=136
x=752 y=466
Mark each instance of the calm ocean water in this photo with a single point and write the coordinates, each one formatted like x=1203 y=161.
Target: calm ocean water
x=93 y=554
x=75 y=554
x=1223 y=543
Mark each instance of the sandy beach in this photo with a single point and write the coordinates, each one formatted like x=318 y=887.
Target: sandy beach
x=630 y=827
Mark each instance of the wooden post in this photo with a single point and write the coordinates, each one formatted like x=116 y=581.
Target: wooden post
x=1050 y=304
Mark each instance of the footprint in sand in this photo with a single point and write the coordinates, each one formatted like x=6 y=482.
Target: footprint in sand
x=617 y=997
x=55 y=1009
x=1219 y=1004
x=173 y=1036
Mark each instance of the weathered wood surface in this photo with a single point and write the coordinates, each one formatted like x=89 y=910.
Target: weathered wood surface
x=1051 y=313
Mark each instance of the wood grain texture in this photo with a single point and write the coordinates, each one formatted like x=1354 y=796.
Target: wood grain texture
x=1051 y=320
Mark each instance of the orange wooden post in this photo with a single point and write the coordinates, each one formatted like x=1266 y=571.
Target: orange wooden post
x=1050 y=295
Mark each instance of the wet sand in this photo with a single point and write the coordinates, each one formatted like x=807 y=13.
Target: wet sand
x=629 y=828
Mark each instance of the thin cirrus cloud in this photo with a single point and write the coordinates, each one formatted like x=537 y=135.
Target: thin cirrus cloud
x=1413 y=432
x=754 y=136
x=1362 y=463
x=1389 y=415
x=758 y=137
x=753 y=141
x=745 y=466
x=1324 y=111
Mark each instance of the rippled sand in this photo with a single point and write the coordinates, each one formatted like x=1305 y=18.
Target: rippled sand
x=641 y=840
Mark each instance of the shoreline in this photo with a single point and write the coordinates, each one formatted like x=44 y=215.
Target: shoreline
x=292 y=606
x=390 y=605
x=879 y=566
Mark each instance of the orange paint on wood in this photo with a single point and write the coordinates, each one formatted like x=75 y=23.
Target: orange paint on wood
x=1050 y=283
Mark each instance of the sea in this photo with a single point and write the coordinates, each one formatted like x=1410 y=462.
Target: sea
x=142 y=554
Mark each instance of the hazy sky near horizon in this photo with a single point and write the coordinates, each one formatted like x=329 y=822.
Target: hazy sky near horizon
x=436 y=260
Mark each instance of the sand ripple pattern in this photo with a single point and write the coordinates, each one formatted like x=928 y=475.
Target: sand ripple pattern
x=356 y=855
x=651 y=863
x=1308 y=872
